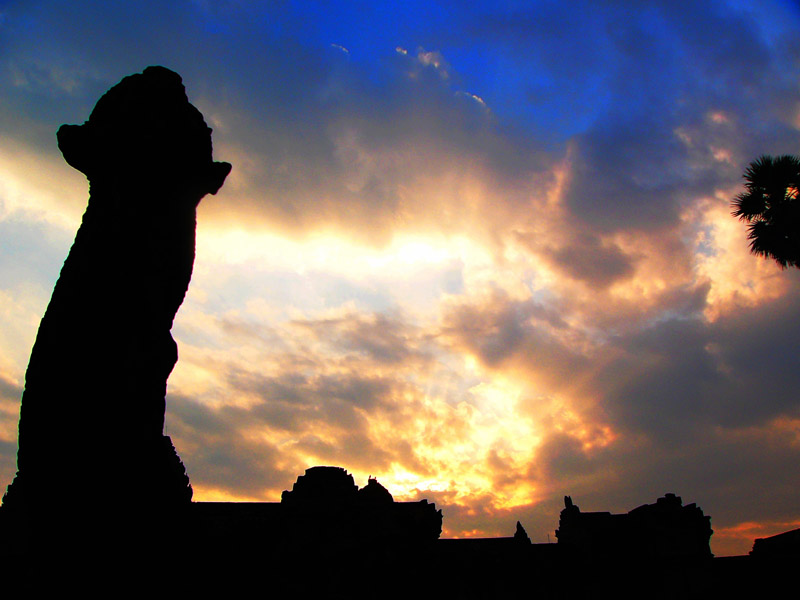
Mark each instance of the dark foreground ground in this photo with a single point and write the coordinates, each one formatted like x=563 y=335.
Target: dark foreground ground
x=228 y=568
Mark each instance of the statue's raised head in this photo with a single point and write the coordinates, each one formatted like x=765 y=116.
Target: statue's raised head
x=145 y=129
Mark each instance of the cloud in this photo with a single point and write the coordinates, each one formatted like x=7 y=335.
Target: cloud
x=507 y=333
x=383 y=339
x=325 y=403
x=434 y=58
x=10 y=394
x=587 y=259
x=691 y=374
x=231 y=462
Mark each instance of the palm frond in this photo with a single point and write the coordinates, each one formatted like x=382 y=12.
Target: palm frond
x=771 y=206
x=758 y=171
x=747 y=206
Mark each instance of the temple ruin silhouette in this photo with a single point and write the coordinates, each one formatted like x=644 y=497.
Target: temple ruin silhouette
x=324 y=507
x=661 y=530
x=101 y=491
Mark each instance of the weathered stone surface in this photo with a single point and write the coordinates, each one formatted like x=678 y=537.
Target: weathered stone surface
x=91 y=440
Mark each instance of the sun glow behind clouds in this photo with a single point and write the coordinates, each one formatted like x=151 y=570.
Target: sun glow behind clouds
x=36 y=187
x=454 y=423
x=323 y=251
x=410 y=273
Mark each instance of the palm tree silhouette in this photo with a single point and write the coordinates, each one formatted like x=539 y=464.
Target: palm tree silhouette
x=771 y=207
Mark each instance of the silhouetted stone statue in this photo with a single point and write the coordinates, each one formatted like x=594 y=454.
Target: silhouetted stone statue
x=92 y=457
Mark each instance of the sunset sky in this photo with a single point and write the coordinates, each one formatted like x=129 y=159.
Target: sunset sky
x=484 y=254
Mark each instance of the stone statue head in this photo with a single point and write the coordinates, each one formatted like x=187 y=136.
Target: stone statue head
x=144 y=131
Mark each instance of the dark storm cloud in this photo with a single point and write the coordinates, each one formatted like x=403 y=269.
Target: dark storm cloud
x=295 y=401
x=662 y=377
x=382 y=338
x=760 y=350
x=586 y=259
x=684 y=375
x=561 y=457
x=507 y=333
x=627 y=176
